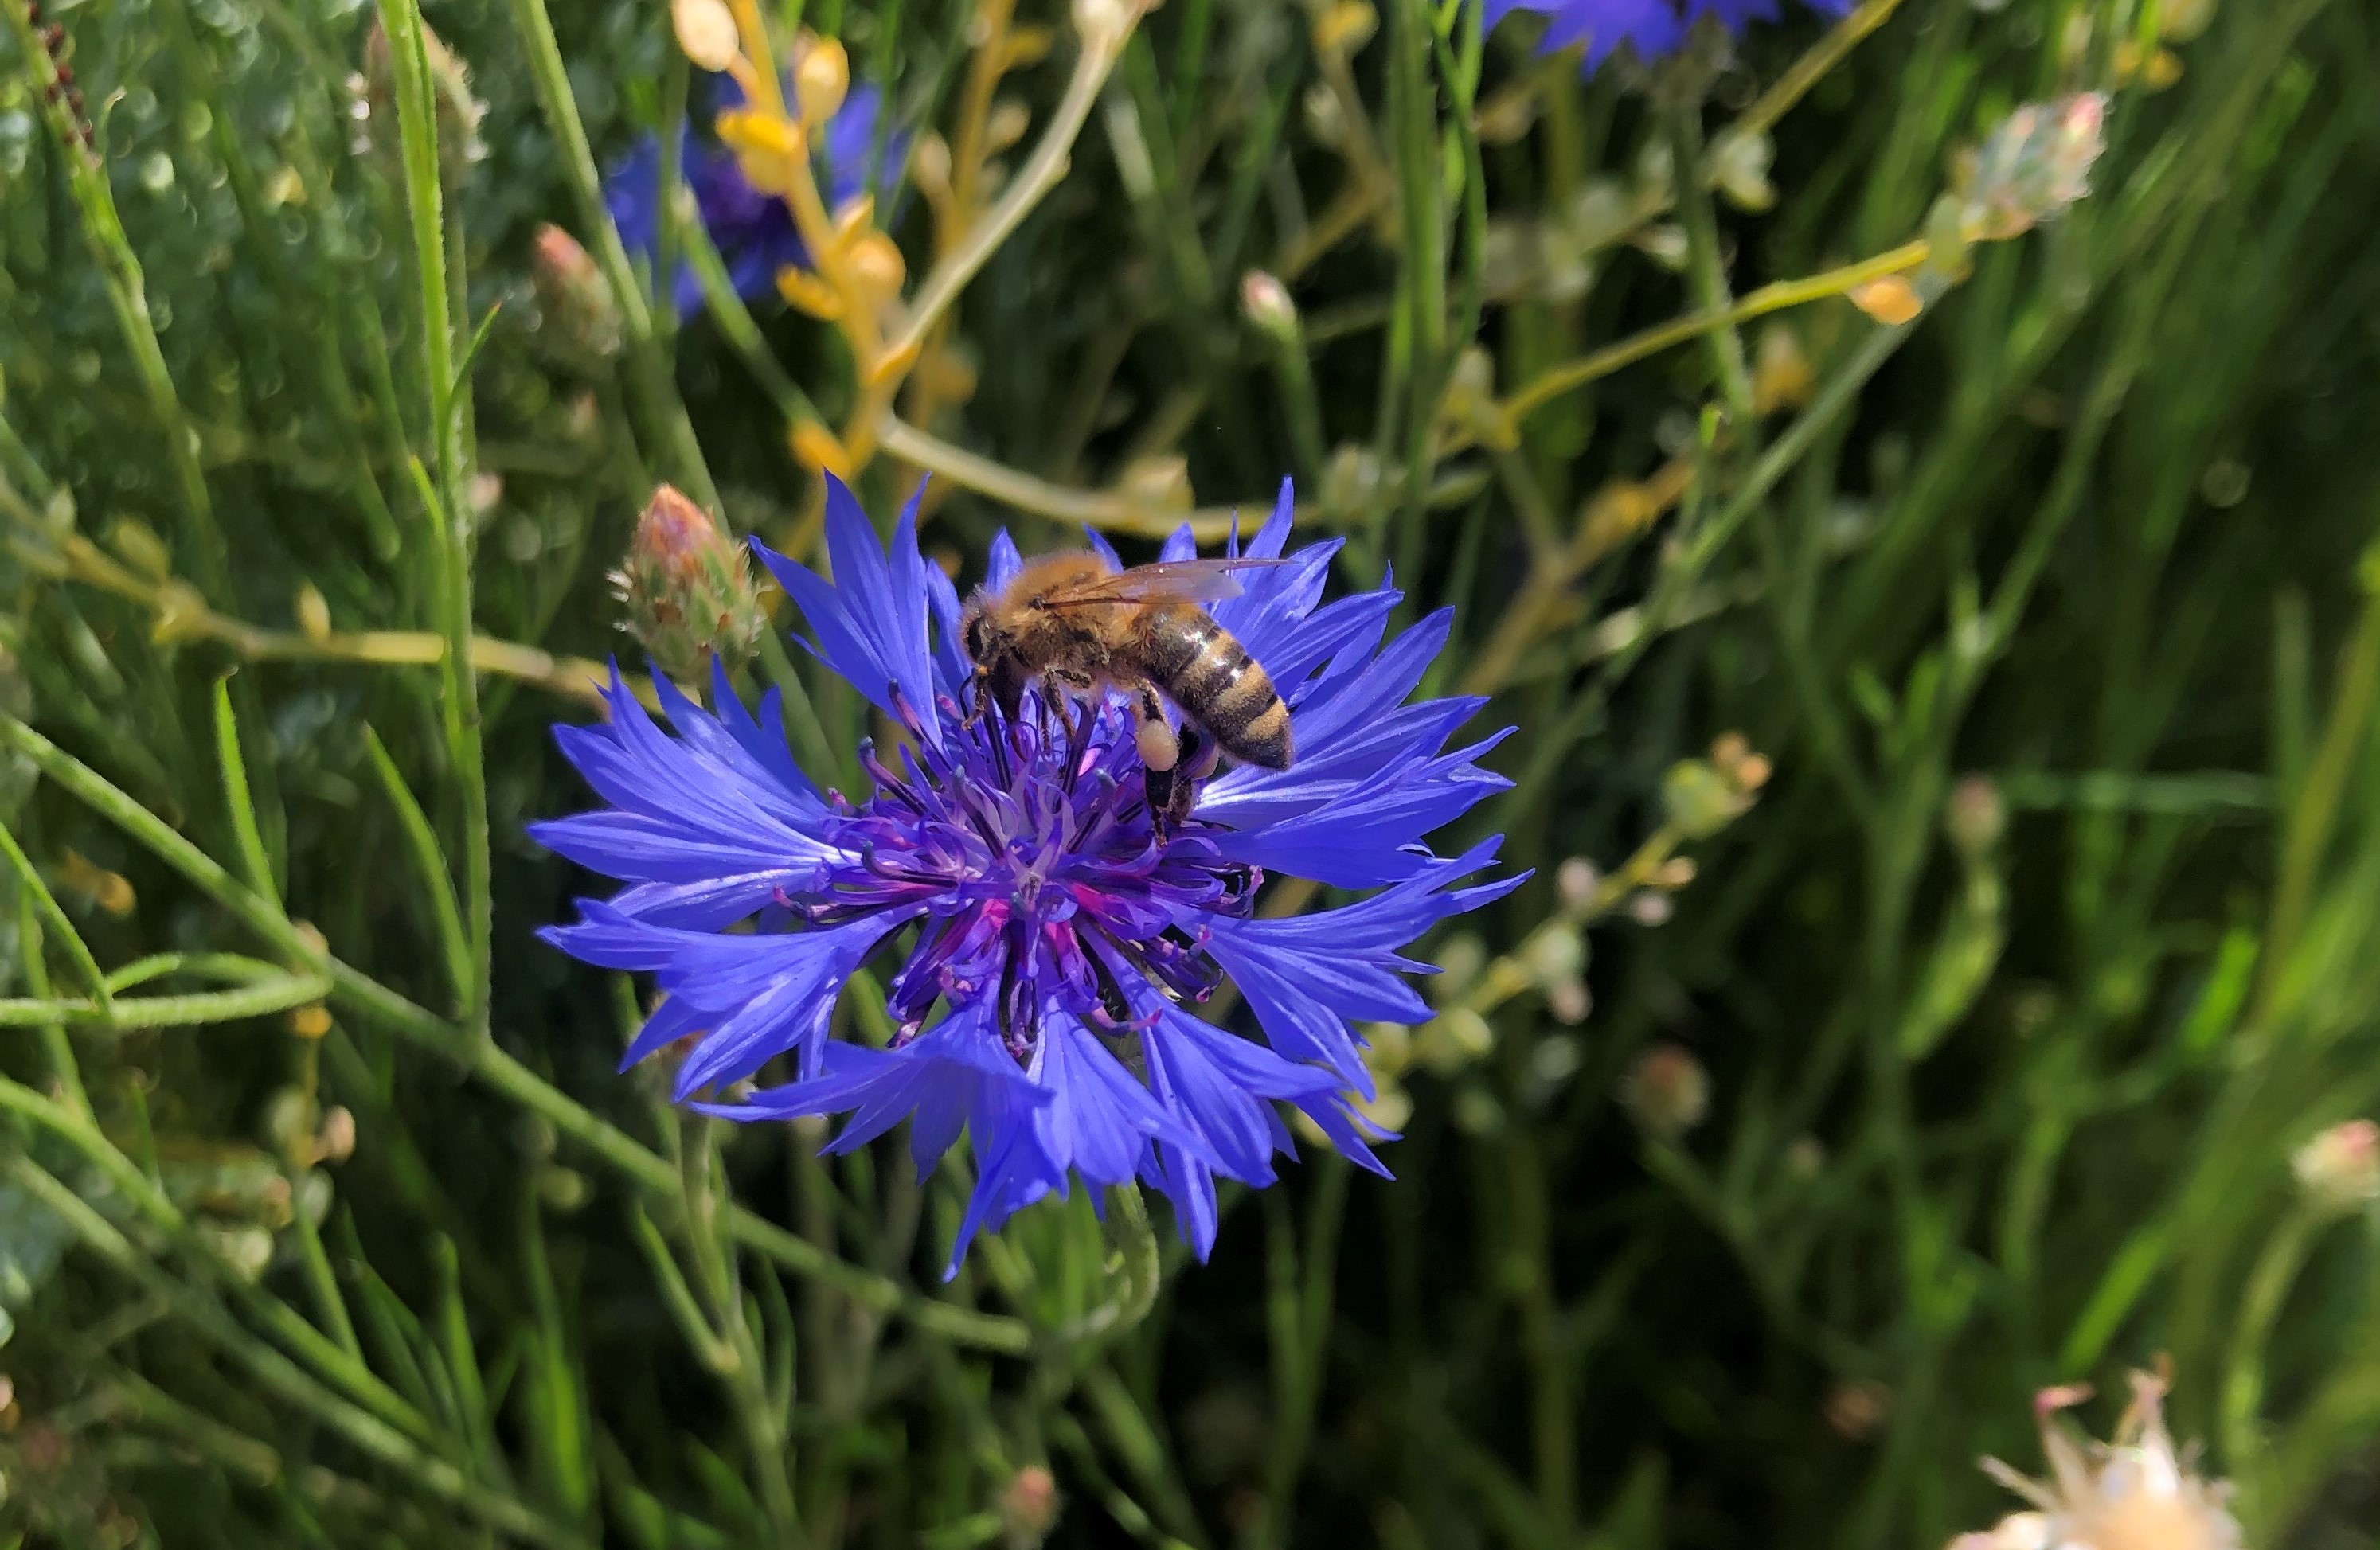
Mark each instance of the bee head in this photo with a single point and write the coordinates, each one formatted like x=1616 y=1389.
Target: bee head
x=975 y=633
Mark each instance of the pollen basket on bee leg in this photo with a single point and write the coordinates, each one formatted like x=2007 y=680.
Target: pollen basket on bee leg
x=1158 y=748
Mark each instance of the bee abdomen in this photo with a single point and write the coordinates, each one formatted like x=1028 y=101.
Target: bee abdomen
x=1218 y=685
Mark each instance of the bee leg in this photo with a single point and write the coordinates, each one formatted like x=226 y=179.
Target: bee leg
x=1160 y=755
x=981 y=705
x=1199 y=757
x=1054 y=696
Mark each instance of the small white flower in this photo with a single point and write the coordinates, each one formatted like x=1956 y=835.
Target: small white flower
x=2133 y=1493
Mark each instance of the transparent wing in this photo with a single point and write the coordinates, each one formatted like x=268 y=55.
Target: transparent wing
x=1183 y=581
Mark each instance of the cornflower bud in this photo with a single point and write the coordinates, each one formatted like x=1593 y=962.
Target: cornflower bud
x=1028 y=1508
x=335 y=1141
x=580 y=316
x=1576 y=880
x=1554 y=952
x=2340 y=1169
x=1648 y=908
x=2034 y=165
x=1666 y=1091
x=1266 y=303
x=687 y=590
x=1699 y=800
x=1976 y=816
x=1744 y=171
x=457 y=112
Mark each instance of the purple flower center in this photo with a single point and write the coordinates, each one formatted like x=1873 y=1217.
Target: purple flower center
x=1030 y=853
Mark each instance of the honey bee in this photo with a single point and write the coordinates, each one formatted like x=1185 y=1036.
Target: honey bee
x=1079 y=629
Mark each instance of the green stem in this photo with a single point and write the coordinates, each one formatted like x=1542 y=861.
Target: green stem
x=282 y=1376
x=353 y=989
x=2275 y=1271
x=652 y=384
x=1704 y=269
x=449 y=507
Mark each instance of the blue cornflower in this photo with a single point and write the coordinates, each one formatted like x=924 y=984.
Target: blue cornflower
x=1651 y=28
x=754 y=232
x=1015 y=864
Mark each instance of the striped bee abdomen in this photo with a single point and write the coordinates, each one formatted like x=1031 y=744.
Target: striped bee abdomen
x=1216 y=683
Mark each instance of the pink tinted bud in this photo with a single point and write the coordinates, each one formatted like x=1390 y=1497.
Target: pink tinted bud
x=2340 y=1168
x=1028 y=1508
x=578 y=318
x=2035 y=164
x=687 y=590
x=1666 y=1091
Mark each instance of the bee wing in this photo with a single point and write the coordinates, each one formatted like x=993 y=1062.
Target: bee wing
x=1183 y=581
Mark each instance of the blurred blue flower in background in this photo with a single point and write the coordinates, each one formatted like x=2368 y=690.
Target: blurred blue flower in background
x=1651 y=28
x=1059 y=930
x=754 y=232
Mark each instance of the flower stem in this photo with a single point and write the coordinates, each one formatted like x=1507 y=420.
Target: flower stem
x=1042 y=172
x=2275 y=1271
x=652 y=383
x=1774 y=298
x=1705 y=268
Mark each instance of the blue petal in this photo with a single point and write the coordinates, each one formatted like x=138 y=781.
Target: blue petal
x=1309 y=975
x=871 y=621
x=1099 y=1115
x=952 y=672
x=938 y=1078
x=761 y=995
x=1002 y=563
x=1372 y=834
x=690 y=811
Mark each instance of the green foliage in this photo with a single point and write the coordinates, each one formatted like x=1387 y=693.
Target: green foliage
x=1947 y=754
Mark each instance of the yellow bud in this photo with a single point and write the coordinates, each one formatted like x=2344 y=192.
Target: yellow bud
x=180 y=612
x=706 y=33
x=309 y=1022
x=1344 y=28
x=768 y=151
x=1891 y=300
x=313 y=614
x=820 y=80
x=930 y=165
x=1005 y=126
x=141 y=547
x=877 y=264
x=109 y=890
